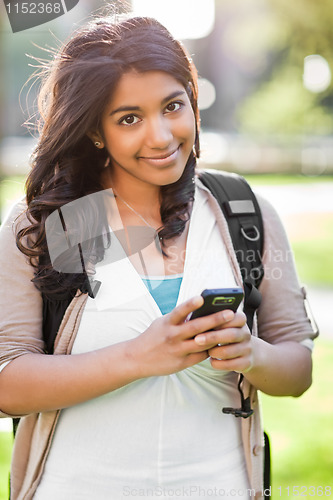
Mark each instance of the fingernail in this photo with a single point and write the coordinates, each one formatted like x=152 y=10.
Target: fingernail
x=228 y=315
x=200 y=339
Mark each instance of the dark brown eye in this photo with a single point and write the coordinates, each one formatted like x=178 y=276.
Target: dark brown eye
x=173 y=106
x=129 y=120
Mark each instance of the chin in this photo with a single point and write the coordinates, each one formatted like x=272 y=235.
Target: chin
x=172 y=177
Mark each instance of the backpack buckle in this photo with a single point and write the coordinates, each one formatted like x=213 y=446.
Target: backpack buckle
x=246 y=232
x=238 y=412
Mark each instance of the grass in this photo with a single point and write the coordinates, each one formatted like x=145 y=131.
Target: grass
x=6 y=441
x=283 y=179
x=310 y=234
x=314 y=257
x=301 y=433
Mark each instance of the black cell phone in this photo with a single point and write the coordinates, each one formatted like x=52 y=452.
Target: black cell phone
x=219 y=299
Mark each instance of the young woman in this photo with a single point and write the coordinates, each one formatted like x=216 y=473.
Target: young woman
x=135 y=409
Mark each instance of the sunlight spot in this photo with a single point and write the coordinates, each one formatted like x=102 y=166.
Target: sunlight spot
x=317 y=73
x=185 y=19
x=207 y=93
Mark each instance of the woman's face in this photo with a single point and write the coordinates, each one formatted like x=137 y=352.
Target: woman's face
x=148 y=128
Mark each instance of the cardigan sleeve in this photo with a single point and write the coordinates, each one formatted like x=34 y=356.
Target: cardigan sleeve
x=281 y=315
x=20 y=301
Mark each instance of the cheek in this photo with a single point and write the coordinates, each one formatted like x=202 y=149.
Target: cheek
x=120 y=143
x=189 y=129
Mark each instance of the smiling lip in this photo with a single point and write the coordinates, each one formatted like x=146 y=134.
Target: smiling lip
x=161 y=160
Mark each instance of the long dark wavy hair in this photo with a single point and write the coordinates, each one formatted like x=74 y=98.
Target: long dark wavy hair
x=65 y=164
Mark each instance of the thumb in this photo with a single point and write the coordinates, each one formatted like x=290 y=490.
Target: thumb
x=180 y=313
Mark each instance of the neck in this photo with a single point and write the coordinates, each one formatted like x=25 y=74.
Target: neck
x=143 y=197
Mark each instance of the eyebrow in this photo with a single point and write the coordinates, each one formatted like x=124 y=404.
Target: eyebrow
x=122 y=109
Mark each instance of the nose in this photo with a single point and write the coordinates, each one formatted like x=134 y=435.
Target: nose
x=158 y=133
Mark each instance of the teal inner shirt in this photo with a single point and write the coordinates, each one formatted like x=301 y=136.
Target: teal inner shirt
x=164 y=290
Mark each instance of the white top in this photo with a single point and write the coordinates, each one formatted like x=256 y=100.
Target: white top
x=159 y=437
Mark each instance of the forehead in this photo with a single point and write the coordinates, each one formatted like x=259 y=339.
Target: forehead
x=139 y=89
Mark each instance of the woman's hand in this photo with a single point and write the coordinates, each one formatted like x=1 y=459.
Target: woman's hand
x=169 y=344
x=229 y=346
x=283 y=369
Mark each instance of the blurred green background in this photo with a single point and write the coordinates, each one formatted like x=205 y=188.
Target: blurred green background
x=266 y=99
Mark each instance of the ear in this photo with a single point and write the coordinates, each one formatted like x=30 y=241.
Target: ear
x=96 y=139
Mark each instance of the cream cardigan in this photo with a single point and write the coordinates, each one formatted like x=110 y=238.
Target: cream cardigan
x=20 y=333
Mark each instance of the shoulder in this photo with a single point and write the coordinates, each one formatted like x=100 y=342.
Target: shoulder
x=15 y=216
x=15 y=220
x=269 y=212
x=16 y=271
x=20 y=301
x=15 y=268
x=275 y=234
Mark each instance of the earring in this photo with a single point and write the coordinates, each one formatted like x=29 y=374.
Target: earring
x=97 y=144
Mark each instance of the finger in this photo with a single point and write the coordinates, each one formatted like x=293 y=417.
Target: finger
x=195 y=358
x=238 y=320
x=239 y=365
x=205 y=324
x=230 y=351
x=180 y=313
x=223 y=336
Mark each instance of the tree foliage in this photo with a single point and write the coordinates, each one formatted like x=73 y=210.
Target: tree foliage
x=280 y=103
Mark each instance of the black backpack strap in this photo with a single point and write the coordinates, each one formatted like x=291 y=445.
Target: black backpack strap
x=242 y=212
x=267 y=466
